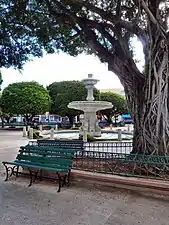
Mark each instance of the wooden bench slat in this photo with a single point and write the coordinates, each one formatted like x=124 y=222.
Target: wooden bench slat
x=39 y=152
x=48 y=165
x=47 y=148
x=54 y=160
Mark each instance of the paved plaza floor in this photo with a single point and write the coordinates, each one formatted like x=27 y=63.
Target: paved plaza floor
x=42 y=205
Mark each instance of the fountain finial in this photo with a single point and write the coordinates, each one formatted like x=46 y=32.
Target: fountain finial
x=90 y=75
x=89 y=84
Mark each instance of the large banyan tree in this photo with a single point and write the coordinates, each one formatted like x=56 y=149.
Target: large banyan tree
x=106 y=28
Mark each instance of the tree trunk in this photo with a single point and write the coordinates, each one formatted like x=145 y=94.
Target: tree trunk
x=148 y=99
x=8 y=119
x=150 y=106
x=2 y=119
x=28 y=118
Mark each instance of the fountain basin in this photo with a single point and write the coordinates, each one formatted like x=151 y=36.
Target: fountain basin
x=90 y=106
x=75 y=135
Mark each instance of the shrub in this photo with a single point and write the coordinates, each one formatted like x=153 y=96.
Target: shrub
x=36 y=134
x=89 y=138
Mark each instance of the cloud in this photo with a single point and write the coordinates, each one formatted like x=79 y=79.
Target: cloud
x=58 y=67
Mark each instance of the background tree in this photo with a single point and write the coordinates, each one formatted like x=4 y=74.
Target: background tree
x=62 y=93
x=106 y=28
x=118 y=102
x=25 y=98
x=0 y=80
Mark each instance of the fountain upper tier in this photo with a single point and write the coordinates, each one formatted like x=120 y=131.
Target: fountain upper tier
x=90 y=106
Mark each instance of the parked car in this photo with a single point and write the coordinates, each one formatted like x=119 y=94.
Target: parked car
x=128 y=121
x=103 y=123
x=64 y=125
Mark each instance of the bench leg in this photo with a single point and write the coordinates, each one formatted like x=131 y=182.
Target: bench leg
x=31 y=177
x=64 y=180
x=35 y=175
x=40 y=175
x=7 y=172
x=10 y=171
x=60 y=181
x=13 y=172
x=17 y=171
x=68 y=178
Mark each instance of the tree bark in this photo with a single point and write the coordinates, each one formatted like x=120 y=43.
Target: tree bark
x=2 y=119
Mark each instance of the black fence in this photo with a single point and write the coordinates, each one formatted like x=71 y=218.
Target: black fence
x=116 y=158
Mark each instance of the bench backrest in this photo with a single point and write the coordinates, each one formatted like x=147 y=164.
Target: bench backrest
x=47 y=150
x=70 y=144
x=145 y=159
x=46 y=155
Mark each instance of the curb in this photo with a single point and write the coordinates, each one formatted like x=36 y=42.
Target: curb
x=142 y=186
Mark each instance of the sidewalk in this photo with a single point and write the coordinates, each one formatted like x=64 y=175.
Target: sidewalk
x=42 y=205
x=10 y=141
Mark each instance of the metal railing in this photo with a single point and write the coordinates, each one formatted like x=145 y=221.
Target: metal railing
x=111 y=147
x=116 y=158
x=123 y=164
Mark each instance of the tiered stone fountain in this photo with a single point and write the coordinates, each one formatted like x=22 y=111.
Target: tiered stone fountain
x=90 y=107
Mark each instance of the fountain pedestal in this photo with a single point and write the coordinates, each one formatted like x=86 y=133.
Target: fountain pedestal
x=90 y=107
x=90 y=123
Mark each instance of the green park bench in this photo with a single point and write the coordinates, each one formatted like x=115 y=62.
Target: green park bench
x=77 y=145
x=38 y=158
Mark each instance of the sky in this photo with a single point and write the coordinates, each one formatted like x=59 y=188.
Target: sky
x=59 y=67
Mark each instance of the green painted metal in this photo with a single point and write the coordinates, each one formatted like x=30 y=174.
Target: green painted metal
x=45 y=160
x=66 y=144
x=47 y=149
x=44 y=157
x=36 y=159
x=129 y=165
x=58 y=153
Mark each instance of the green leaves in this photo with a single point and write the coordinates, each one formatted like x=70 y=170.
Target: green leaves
x=0 y=80
x=25 y=98
x=118 y=102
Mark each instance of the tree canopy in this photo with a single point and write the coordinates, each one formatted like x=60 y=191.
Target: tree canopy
x=118 y=102
x=0 y=80
x=17 y=41
x=106 y=28
x=25 y=98
x=64 y=92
